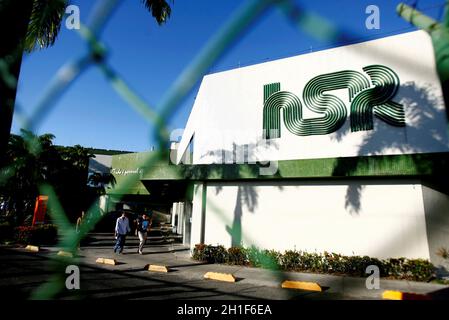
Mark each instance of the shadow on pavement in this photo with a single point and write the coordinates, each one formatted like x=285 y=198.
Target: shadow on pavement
x=442 y=294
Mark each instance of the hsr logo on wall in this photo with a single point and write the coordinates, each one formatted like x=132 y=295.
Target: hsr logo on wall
x=367 y=99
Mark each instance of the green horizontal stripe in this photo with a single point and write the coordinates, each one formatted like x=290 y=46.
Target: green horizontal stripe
x=373 y=166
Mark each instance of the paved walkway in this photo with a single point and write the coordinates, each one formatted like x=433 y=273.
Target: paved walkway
x=177 y=257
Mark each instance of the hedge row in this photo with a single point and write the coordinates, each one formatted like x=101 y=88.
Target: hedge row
x=46 y=234
x=329 y=263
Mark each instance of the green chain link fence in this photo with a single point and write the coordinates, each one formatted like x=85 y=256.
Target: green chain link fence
x=239 y=23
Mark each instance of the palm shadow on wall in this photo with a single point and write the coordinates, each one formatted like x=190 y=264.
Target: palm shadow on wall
x=423 y=110
x=246 y=194
x=426 y=123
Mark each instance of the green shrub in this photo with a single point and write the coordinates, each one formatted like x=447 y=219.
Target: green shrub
x=237 y=256
x=418 y=270
x=270 y=259
x=198 y=252
x=310 y=262
x=211 y=254
x=216 y=254
x=46 y=234
x=292 y=260
x=253 y=256
x=394 y=267
x=334 y=263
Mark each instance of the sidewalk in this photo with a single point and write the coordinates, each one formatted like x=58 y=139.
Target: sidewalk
x=177 y=257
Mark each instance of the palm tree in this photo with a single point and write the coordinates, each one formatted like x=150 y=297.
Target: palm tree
x=33 y=161
x=35 y=24
x=27 y=154
x=77 y=155
x=100 y=181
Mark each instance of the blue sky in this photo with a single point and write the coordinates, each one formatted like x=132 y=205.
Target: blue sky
x=150 y=57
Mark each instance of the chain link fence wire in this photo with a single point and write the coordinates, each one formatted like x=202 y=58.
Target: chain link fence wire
x=240 y=22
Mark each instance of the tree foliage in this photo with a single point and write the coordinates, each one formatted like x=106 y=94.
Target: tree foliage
x=45 y=23
x=46 y=18
x=100 y=181
x=33 y=161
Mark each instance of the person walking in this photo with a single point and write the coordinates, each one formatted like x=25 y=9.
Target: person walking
x=121 y=230
x=79 y=223
x=143 y=227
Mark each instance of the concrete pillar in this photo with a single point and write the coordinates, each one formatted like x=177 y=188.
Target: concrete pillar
x=181 y=219
x=175 y=218
x=187 y=223
x=198 y=225
x=103 y=203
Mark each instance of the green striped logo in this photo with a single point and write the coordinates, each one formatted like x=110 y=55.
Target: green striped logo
x=367 y=99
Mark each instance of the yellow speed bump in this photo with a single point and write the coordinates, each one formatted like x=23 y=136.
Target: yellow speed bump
x=156 y=268
x=301 y=285
x=66 y=254
x=106 y=261
x=32 y=248
x=220 y=276
x=399 y=295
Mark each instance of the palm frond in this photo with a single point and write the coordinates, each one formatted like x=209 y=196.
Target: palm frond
x=159 y=9
x=45 y=23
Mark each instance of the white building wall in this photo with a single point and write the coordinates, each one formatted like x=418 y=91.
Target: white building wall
x=228 y=111
x=436 y=205
x=362 y=218
x=100 y=164
x=196 y=215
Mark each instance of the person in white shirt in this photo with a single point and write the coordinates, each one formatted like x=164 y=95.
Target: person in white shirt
x=121 y=230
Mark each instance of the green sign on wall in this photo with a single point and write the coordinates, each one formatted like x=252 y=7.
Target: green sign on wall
x=366 y=102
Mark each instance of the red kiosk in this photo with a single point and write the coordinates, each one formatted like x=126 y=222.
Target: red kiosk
x=40 y=210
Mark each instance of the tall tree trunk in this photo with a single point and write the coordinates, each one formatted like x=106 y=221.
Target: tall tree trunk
x=14 y=19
